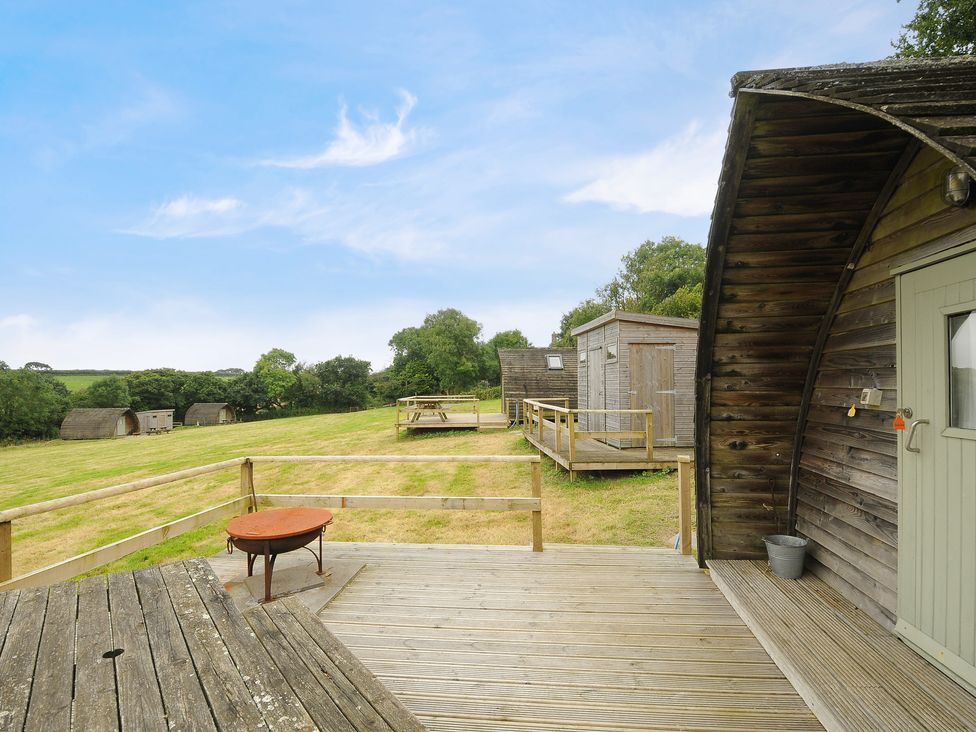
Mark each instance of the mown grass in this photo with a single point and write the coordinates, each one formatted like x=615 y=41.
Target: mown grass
x=77 y=382
x=631 y=509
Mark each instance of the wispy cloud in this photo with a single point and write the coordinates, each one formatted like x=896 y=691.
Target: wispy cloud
x=20 y=321
x=190 y=217
x=678 y=176
x=360 y=145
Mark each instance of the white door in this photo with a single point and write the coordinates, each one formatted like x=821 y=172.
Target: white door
x=937 y=466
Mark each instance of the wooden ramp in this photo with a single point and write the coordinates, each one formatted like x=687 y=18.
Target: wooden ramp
x=852 y=672
x=500 y=639
x=165 y=648
x=596 y=455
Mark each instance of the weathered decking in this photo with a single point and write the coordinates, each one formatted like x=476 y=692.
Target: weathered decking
x=454 y=421
x=852 y=672
x=501 y=639
x=165 y=648
x=596 y=455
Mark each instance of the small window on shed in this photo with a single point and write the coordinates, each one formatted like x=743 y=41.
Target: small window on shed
x=612 y=351
x=554 y=361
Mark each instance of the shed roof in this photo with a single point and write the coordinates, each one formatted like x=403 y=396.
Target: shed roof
x=635 y=318
x=526 y=357
x=85 y=423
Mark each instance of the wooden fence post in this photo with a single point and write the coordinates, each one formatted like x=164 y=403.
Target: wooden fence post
x=398 y=419
x=649 y=437
x=542 y=417
x=684 y=502
x=537 y=515
x=558 y=419
x=247 y=486
x=6 y=551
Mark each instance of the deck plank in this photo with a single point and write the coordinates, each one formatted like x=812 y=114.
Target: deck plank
x=140 y=703
x=270 y=691
x=19 y=657
x=479 y=639
x=8 y=601
x=96 y=706
x=853 y=673
x=183 y=696
x=51 y=697
x=227 y=694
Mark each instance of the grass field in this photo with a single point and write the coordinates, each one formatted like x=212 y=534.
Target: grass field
x=77 y=382
x=634 y=509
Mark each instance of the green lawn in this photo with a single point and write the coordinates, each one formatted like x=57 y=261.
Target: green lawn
x=77 y=382
x=636 y=509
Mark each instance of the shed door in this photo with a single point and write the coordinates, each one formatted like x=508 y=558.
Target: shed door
x=652 y=386
x=937 y=489
x=120 y=427
x=596 y=389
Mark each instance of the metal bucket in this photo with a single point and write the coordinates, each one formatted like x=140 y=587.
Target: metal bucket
x=786 y=555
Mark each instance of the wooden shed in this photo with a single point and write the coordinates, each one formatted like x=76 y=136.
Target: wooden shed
x=99 y=423
x=155 y=420
x=841 y=290
x=203 y=414
x=537 y=373
x=638 y=361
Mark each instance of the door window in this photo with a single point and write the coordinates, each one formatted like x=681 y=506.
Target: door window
x=962 y=370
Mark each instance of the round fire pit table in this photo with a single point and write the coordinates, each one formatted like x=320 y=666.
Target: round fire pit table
x=275 y=532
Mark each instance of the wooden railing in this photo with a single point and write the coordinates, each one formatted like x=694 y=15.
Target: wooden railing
x=250 y=500
x=518 y=405
x=534 y=421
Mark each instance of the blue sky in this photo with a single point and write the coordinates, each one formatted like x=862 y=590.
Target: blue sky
x=191 y=184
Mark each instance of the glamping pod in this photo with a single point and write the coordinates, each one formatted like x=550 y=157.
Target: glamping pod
x=537 y=373
x=638 y=361
x=94 y=424
x=203 y=414
x=840 y=294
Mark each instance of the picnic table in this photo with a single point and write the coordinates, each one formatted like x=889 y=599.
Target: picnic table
x=166 y=648
x=429 y=406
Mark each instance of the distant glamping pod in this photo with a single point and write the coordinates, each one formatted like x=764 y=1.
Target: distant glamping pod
x=840 y=292
x=638 y=361
x=203 y=414
x=95 y=424
x=546 y=374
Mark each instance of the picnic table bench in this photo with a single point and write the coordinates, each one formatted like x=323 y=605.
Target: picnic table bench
x=166 y=648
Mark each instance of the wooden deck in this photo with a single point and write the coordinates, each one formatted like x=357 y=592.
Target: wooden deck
x=501 y=639
x=454 y=421
x=852 y=672
x=166 y=648
x=596 y=455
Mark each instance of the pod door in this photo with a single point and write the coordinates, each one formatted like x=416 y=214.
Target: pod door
x=937 y=464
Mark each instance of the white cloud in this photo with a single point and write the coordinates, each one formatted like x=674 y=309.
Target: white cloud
x=186 y=206
x=19 y=321
x=188 y=217
x=357 y=146
x=678 y=176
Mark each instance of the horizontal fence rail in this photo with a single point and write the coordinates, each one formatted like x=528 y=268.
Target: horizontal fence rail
x=250 y=500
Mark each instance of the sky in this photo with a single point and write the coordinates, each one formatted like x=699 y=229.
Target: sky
x=193 y=184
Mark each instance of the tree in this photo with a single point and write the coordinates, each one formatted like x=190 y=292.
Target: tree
x=685 y=302
x=490 y=369
x=652 y=273
x=155 y=388
x=247 y=393
x=344 y=382
x=939 y=28
x=31 y=404
x=4 y=366
x=582 y=313
x=36 y=366
x=112 y=391
x=274 y=368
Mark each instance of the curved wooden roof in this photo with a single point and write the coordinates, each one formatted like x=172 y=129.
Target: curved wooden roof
x=205 y=413
x=812 y=158
x=92 y=423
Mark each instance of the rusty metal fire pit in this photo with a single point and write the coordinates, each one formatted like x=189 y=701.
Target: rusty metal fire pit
x=275 y=532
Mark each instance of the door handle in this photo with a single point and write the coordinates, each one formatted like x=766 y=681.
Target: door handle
x=911 y=435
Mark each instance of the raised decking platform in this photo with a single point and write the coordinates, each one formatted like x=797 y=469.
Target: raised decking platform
x=455 y=421
x=853 y=673
x=595 y=455
x=502 y=639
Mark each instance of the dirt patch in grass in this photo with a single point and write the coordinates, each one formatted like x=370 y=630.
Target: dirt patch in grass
x=621 y=508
